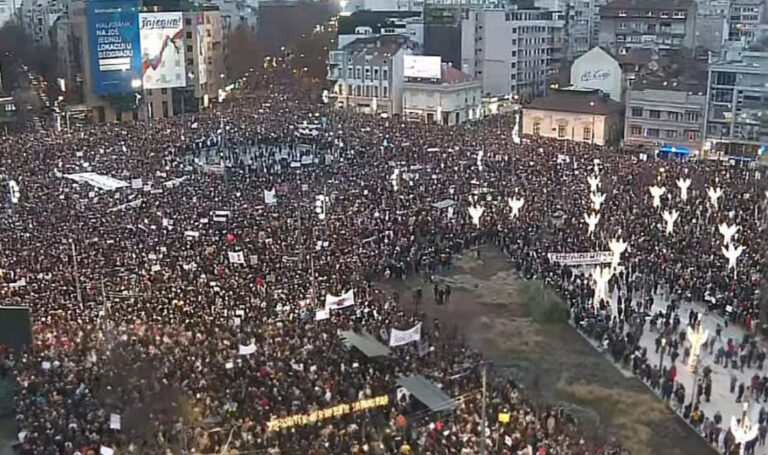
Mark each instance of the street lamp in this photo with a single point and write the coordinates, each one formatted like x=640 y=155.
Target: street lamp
x=190 y=81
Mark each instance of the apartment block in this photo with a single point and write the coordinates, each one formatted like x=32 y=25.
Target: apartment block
x=656 y=24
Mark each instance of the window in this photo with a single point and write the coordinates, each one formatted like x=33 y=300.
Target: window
x=149 y=92
x=385 y=74
x=654 y=114
x=622 y=25
x=561 y=130
x=665 y=14
x=635 y=130
x=190 y=62
x=637 y=112
x=587 y=134
x=189 y=35
x=187 y=21
x=622 y=13
x=376 y=91
x=189 y=48
x=349 y=72
x=384 y=91
x=693 y=135
x=358 y=73
x=208 y=33
x=673 y=116
x=691 y=116
x=537 y=128
x=679 y=14
x=376 y=74
x=652 y=132
x=163 y=91
x=165 y=109
x=671 y=134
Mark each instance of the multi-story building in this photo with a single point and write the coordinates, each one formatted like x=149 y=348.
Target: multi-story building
x=598 y=70
x=512 y=51
x=662 y=112
x=38 y=16
x=737 y=110
x=204 y=66
x=577 y=24
x=7 y=11
x=368 y=74
x=744 y=20
x=350 y=6
x=657 y=24
x=361 y=24
x=595 y=7
x=454 y=99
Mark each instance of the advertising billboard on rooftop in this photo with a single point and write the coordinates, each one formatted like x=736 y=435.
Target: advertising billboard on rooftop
x=113 y=35
x=422 y=66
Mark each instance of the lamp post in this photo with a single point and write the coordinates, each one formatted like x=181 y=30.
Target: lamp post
x=190 y=79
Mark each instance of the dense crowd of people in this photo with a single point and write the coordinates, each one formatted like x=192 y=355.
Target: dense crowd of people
x=139 y=310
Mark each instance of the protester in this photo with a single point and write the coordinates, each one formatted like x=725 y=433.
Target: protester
x=140 y=312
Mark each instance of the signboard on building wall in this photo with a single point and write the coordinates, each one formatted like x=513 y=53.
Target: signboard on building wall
x=113 y=35
x=422 y=66
x=597 y=70
x=162 y=50
x=202 y=54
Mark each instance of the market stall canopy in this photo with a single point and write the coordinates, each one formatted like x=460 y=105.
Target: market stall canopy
x=366 y=343
x=427 y=392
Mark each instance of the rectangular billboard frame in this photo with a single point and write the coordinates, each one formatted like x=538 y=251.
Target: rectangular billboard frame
x=113 y=40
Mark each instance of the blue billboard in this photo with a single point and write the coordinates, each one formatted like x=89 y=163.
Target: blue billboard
x=113 y=35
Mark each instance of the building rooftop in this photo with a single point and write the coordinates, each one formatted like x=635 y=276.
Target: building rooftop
x=376 y=20
x=378 y=45
x=696 y=87
x=636 y=56
x=451 y=75
x=577 y=101
x=646 y=5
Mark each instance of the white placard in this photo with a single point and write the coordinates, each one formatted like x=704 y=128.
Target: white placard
x=115 y=422
x=106 y=451
x=246 y=350
x=321 y=315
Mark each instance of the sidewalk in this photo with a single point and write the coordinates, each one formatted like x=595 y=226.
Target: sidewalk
x=720 y=399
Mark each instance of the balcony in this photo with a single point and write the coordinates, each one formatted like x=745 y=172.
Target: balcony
x=336 y=57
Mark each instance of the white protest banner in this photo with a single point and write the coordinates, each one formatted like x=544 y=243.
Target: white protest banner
x=229 y=365
x=137 y=184
x=334 y=303
x=46 y=365
x=115 y=422
x=321 y=315
x=400 y=337
x=246 y=350
x=600 y=257
x=191 y=234
x=269 y=197
x=106 y=451
x=236 y=257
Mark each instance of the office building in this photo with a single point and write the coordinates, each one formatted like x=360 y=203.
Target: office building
x=744 y=20
x=455 y=98
x=368 y=74
x=512 y=51
x=711 y=28
x=581 y=116
x=203 y=65
x=657 y=24
x=665 y=113
x=577 y=18
x=736 y=111
x=7 y=11
x=38 y=16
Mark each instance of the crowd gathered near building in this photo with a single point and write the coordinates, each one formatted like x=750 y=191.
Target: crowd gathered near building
x=189 y=303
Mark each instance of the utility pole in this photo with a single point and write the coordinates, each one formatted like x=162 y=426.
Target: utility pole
x=484 y=422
